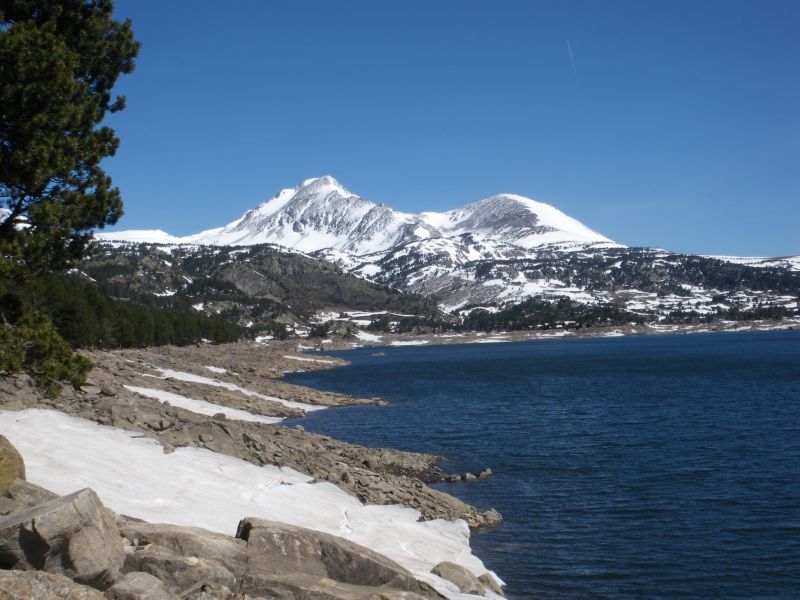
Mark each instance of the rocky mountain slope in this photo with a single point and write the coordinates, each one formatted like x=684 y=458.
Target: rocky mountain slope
x=261 y=287
x=490 y=254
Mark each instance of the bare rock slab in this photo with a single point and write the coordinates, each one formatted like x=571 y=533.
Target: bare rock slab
x=74 y=536
x=185 y=557
x=275 y=549
x=298 y=586
x=38 y=585
x=23 y=494
x=139 y=586
x=12 y=466
x=463 y=579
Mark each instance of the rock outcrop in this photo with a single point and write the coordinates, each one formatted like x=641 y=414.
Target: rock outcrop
x=74 y=536
x=463 y=579
x=38 y=585
x=277 y=549
x=139 y=586
x=12 y=466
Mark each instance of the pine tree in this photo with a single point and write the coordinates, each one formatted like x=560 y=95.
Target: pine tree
x=59 y=60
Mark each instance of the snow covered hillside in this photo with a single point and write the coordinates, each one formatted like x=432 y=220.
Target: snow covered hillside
x=501 y=250
x=321 y=214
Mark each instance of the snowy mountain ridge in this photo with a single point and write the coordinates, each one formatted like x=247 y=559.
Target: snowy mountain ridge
x=321 y=214
x=498 y=251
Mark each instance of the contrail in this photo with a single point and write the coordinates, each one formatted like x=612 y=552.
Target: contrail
x=574 y=68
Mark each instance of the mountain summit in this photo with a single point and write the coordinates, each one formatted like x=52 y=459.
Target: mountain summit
x=320 y=214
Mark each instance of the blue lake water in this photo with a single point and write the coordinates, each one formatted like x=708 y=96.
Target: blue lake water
x=639 y=467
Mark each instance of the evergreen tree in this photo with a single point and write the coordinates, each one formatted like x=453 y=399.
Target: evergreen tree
x=59 y=60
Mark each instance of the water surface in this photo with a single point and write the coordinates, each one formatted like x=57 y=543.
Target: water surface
x=650 y=467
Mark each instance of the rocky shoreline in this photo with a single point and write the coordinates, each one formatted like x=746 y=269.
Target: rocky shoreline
x=384 y=340
x=131 y=390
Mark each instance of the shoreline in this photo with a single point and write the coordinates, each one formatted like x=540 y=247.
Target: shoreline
x=162 y=397
x=393 y=340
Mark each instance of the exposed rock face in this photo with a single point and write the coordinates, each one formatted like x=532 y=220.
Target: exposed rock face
x=308 y=587
x=268 y=560
x=185 y=557
x=139 y=586
x=23 y=494
x=38 y=585
x=73 y=536
x=276 y=548
x=461 y=577
x=12 y=466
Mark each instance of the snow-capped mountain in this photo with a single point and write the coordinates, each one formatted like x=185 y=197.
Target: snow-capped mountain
x=500 y=250
x=321 y=214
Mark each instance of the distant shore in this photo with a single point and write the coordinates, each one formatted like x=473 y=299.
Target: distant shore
x=388 y=340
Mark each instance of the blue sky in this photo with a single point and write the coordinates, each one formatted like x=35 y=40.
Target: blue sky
x=661 y=123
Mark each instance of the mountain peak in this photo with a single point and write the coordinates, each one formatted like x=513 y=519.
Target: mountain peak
x=321 y=214
x=323 y=183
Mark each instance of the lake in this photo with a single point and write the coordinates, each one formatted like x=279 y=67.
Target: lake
x=653 y=466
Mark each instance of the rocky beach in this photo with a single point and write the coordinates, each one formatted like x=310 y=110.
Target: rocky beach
x=190 y=439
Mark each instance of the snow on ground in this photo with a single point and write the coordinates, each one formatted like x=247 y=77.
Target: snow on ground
x=216 y=369
x=201 y=406
x=313 y=360
x=410 y=343
x=182 y=376
x=200 y=488
x=368 y=337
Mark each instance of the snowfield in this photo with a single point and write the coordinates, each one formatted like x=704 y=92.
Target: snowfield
x=201 y=406
x=183 y=376
x=200 y=488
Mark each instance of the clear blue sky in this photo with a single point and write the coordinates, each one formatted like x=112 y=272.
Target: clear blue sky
x=669 y=123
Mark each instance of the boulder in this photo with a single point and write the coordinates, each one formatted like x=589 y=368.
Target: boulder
x=185 y=558
x=276 y=548
x=463 y=579
x=12 y=466
x=74 y=536
x=38 y=585
x=178 y=572
x=491 y=584
x=23 y=494
x=139 y=586
x=184 y=541
x=298 y=586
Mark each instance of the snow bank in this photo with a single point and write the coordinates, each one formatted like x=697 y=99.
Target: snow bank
x=313 y=360
x=182 y=376
x=197 y=487
x=368 y=337
x=201 y=406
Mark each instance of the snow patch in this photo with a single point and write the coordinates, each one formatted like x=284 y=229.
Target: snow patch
x=200 y=488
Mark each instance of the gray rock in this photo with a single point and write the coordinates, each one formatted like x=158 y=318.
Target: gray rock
x=73 y=536
x=491 y=518
x=185 y=557
x=490 y=583
x=464 y=580
x=12 y=466
x=139 y=586
x=309 y=587
x=486 y=473
x=23 y=494
x=276 y=548
x=38 y=585
x=470 y=477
